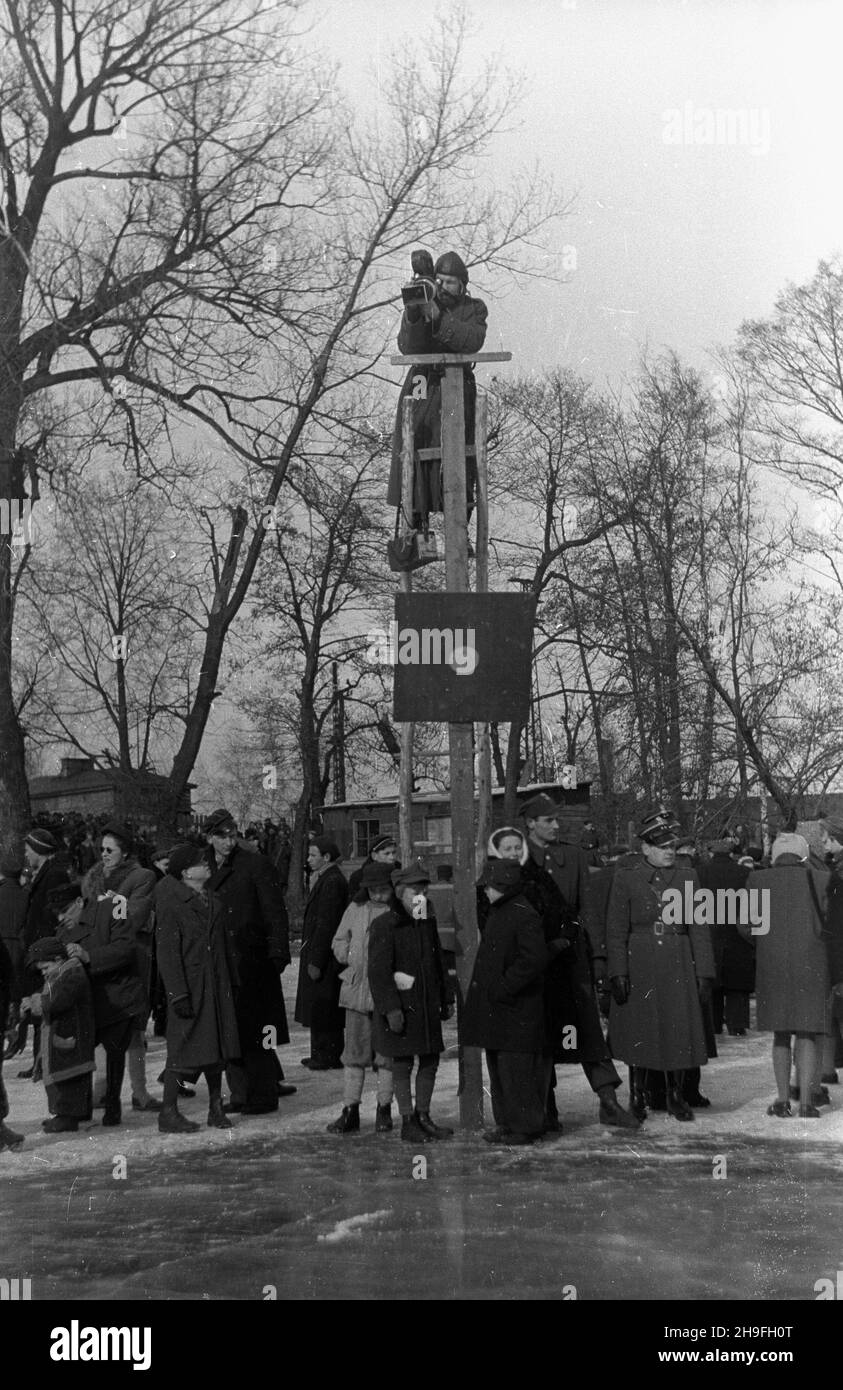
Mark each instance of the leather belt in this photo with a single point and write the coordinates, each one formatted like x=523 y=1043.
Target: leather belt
x=662 y=929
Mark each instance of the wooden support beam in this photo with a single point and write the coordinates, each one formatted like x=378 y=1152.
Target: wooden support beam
x=405 y=773
x=461 y=737
x=481 y=584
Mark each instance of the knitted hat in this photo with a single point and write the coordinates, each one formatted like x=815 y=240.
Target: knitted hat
x=376 y=875
x=41 y=841
x=788 y=843
x=46 y=948
x=185 y=857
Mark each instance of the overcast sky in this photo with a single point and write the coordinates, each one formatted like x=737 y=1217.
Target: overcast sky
x=686 y=221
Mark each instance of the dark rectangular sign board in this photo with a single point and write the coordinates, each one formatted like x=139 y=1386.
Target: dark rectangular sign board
x=459 y=658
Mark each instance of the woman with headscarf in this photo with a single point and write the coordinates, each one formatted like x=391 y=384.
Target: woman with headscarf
x=792 y=979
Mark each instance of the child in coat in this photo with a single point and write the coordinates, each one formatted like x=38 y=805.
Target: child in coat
x=351 y=948
x=66 y=1011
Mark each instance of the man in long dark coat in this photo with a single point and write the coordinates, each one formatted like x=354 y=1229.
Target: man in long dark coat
x=256 y=920
x=559 y=872
x=660 y=964
x=47 y=862
x=734 y=958
x=12 y=917
x=317 y=998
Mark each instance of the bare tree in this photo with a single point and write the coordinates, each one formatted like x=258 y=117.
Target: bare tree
x=253 y=237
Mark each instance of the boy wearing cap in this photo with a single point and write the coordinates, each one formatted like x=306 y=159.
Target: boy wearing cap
x=411 y=997
x=351 y=948
x=66 y=1010
x=504 y=1009
x=318 y=992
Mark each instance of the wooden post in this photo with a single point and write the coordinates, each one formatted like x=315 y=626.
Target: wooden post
x=484 y=745
x=461 y=736
x=405 y=773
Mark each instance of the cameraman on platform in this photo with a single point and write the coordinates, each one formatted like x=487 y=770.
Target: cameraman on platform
x=439 y=316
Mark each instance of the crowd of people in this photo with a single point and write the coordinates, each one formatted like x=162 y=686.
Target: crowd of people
x=196 y=934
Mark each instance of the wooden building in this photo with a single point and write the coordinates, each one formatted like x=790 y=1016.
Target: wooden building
x=92 y=791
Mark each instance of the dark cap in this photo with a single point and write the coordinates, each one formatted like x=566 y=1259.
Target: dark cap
x=42 y=841
x=409 y=877
x=46 y=948
x=383 y=843
x=162 y=850
x=723 y=846
x=537 y=806
x=184 y=857
x=660 y=828
x=502 y=874
x=376 y=875
x=219 y=820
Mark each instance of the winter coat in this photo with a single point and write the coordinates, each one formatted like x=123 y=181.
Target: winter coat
x=461 y=329
x=556 y=883
x=317 y=1001
x=398 y=942
x=734 y=956
x=196 y=962
x=792 y=978
x=116 y=912
x=834 y=926
x=259 y=937
x=661 y=1024
x=504 y=1008
x=351 y=949
x=7 y=982
x=67 y=1024
x=40 y=915
x=13 y=909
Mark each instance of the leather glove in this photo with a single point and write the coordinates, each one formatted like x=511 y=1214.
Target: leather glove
x=314 y=973
x=395 y=1019
x=620 y=988
x=182 y=1008
x=704 y=991
x=446 y=1012
x=604 y=995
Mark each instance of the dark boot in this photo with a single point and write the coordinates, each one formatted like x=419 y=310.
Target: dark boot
x=677 y=1105
x=638 y=1098
x=348 y=1122
x=613 y=1114
x=217 y=1118
x=383 y=1119
x=171 y=1121
x=9 y=1138
x=412 y=1131
x=435 y=1131
x=112 y=1115
x=60 y=1124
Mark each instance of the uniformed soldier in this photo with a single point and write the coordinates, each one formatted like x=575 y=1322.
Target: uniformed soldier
x=558 y=872
x=660 y=965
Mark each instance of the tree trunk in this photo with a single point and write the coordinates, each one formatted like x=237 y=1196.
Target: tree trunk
x=513 y=758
